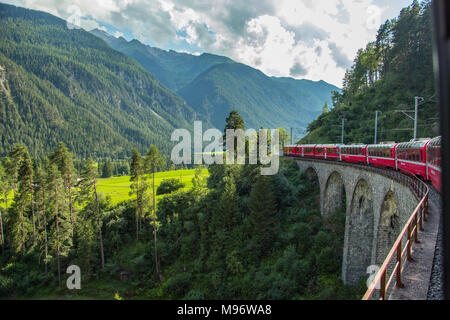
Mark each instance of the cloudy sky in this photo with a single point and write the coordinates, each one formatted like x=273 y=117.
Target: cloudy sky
x=312 y=39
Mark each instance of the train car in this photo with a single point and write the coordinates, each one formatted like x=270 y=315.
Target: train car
x=411 y=157
x=434 y=163
x=332 y=152
x=354 y=153
x=320 y=152
x=308 y=151
x=382 y=155
x=292 y=151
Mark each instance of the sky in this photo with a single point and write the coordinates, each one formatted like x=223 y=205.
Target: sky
x=303 y=39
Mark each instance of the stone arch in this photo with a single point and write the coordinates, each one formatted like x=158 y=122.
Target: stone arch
x=389 y=226
x=312 y=175
x=361 y=229
x=334 y=196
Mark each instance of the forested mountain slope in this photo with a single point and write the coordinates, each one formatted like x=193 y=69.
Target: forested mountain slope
x=214 y=85
x=262 y=101
x=60 y=84
x=387 y=76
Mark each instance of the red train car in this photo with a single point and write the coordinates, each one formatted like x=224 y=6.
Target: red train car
x=382 y=155
x=354 y=153
x=331 y=151
x=434 y=163
x=291 y=150
x=319 y=152
x=411 y=157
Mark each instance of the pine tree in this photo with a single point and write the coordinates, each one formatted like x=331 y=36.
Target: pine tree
x=138 y=187
x=234 y=121
x=154 y=162
x=228 y=205
x=41 y=202
x=64 y=161
x=20 y=222
x=88 y=192
x=59 y=221
x=14 y=163
x=107 y=170
x=263 y=208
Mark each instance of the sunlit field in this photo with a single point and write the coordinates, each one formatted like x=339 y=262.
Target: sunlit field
x=118 y=188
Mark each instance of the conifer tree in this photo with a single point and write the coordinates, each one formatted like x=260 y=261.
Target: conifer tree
x=41 y=202
x=88 y=192
x=13 y=165
x=263 y=208
x=20 y=222
x=138 y=187
x=64 y=161
x=154 y=162
x=59 y=220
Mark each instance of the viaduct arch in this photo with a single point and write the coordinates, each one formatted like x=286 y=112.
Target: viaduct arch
x=376 y=208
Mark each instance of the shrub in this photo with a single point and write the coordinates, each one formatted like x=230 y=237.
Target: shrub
x=169 y=185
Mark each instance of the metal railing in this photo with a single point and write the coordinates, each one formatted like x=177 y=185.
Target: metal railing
x=410 y=232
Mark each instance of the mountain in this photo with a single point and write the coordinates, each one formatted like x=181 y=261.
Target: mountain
x=261 y=100
x=174 y=69
x=214 y=85
x=60 y=84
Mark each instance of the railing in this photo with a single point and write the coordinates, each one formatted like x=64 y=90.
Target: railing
x=382 y=280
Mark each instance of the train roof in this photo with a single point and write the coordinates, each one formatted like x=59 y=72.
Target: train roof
x=354 y=145
x=418 y=143
x=390 y=145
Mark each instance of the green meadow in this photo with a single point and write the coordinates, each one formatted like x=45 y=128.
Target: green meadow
x=118 y=188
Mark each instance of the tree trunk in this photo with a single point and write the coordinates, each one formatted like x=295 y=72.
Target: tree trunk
x=154 y=227
x=102 y=256
x=138 y=205
x=70 y=204
x=22 y=231
x=45 y=240
x=57 y=236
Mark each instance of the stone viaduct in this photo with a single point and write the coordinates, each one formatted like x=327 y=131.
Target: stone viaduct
x=376 y=205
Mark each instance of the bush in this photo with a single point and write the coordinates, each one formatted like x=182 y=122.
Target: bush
x=178 y=286
x=169 y=185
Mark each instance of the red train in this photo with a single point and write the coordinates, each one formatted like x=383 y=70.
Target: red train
x=421 y=158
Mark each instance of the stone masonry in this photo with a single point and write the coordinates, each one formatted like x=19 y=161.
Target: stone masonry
x=377 y=208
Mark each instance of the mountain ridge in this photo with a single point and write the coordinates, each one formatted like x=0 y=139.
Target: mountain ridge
x=303 y=99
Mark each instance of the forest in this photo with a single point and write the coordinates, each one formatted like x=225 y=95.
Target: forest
x=235 y=235
x=58 y=84
x=386 y=76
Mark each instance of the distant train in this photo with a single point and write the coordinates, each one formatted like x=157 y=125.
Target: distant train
x=421 y=158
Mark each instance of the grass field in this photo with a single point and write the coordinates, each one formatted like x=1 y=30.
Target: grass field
x=118 y=188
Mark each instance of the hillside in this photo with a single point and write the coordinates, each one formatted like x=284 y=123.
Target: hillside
x=387 y=75
x=174 y=69
x=260 y=100
x=68 y=85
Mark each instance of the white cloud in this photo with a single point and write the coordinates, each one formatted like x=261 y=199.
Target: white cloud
x=313 y=39
x=118 y=34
